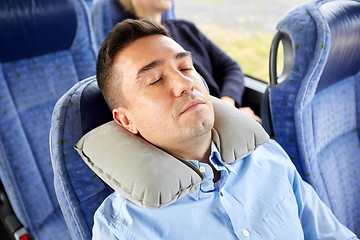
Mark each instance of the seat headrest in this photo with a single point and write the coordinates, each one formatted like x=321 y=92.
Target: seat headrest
x=343 y=18
x=93 y=108
x=36 y=27
x=118 y=12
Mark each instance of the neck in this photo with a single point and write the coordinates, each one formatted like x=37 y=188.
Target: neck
x=198 y=149
x=155 y=17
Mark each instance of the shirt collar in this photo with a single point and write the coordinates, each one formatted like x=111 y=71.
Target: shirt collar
x=215 y=157
x=216 y=161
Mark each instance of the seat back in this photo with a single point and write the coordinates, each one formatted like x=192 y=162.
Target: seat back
x=89 y=3
x=106 y=13
x=46 y=47
x=79 y=190
x=315 y=110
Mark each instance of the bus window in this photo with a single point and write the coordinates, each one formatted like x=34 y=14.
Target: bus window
x=243 y=29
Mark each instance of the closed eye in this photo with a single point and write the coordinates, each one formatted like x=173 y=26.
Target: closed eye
x=186 y=69
x=156 y=81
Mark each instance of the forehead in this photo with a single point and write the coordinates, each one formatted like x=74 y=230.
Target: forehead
x=147 y=49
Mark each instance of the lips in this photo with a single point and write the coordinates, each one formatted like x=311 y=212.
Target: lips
x=192 y=104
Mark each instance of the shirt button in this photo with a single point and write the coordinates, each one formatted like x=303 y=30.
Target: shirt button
x=202 y=169
x=221 y=193
x=245 y=233
x=193 y=189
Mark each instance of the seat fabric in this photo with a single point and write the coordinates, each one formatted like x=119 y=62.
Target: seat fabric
x=31 y=81
x=315 y=110
x=79 y=190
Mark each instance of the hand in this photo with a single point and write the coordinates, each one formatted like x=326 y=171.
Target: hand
x=228 y=100
x=248 y=111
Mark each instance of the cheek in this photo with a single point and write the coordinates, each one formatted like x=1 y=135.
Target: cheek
x=198 y=82
x=158 y=99
x=153 y=123
x=200 y=85
x=152 y=112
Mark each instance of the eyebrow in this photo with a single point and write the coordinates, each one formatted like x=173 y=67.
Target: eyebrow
x=159 y=62
x=150 y=66
x=183 y=54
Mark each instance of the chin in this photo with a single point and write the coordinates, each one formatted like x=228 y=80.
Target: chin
x=203 y=127
x=208 y=125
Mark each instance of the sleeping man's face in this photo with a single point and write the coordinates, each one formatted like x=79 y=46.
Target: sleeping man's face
x=167 y=102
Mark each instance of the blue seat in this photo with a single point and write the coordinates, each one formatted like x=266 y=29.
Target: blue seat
x=315 y=102
x=89 y=3
x=106 y=13
x=46 y=47
x=79 y=190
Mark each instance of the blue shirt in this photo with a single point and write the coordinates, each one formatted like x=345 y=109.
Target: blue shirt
x=261 y=196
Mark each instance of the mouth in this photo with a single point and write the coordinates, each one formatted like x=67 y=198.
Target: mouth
x=192 y=105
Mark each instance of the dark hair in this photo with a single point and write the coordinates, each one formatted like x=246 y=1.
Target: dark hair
x=122 y=34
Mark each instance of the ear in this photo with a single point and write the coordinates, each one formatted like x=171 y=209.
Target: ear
x=124 y=119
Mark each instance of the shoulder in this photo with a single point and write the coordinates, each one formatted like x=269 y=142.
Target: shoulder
x=274 y=148
x=272 y=156
x=112 y=219
x=110 y=208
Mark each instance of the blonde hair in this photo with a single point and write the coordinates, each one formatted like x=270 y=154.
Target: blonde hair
x=127 y=4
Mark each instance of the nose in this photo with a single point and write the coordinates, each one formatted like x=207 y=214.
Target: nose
x=182 y=84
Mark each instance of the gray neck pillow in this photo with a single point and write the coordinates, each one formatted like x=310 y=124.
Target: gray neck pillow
x=152 y=178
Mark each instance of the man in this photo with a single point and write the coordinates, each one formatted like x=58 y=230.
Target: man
x=150 y=84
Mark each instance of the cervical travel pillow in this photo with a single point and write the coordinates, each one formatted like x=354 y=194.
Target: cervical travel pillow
x=152 y=178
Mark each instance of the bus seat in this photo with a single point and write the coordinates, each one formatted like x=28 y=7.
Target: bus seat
x=315 y=102
x=106 y=13
x=46 y=47
x=79 y=190
x=89 y=3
